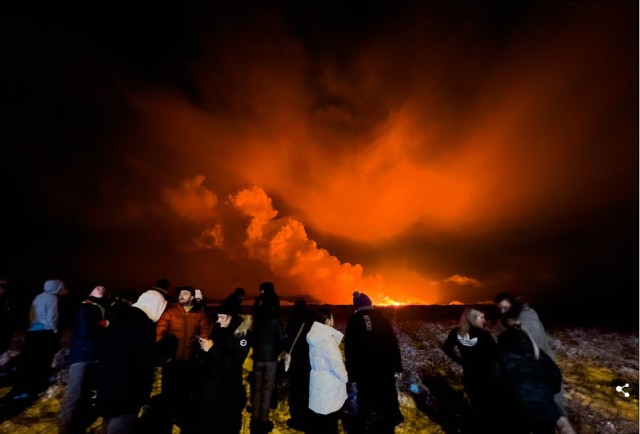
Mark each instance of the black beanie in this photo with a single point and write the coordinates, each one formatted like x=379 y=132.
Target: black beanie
x=229 y=307
x=191 y=289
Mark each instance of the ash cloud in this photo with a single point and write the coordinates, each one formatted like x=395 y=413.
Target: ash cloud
x=458 y=136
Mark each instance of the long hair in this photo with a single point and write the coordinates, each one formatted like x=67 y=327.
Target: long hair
x=468 y=319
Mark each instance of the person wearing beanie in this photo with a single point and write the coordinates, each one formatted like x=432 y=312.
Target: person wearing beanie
x=223 y=396
x=41 y=342
x=126 y=363
x=91 y=320
x=199 y=301
x=177 y=332
x=362 y=301
x=373 y=362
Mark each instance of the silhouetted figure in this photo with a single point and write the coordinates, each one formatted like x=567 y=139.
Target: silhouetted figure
x=162 y=286
x=476 y=353
x=268 y=343
x=517 y=308
x=373 y=361
x=7 y=320
x=223 y=395
x=328 y=380
x=41 y=342
x=76 y=412
x=530 y=380
x=127 y=361
x=298 y=325
x=235 y=299
x=122 y=302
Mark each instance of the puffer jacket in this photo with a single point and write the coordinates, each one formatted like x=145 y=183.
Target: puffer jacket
x=327 y=384
x=185 y=326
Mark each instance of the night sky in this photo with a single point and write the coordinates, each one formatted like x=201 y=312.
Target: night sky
x=423 y=153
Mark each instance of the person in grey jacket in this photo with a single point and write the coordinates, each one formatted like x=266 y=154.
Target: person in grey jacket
x=41 y=342
x=519 y=309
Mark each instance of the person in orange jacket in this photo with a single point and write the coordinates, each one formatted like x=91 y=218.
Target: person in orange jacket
x=179 y=328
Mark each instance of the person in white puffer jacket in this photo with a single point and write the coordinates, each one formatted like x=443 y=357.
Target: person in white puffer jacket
x=328 y=382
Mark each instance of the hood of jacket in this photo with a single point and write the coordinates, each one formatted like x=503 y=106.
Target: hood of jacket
x=246 y=322
x=152 y=303
x=54 y=286
x=321 y=331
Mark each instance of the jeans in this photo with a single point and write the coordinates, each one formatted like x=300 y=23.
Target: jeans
x=75 y=410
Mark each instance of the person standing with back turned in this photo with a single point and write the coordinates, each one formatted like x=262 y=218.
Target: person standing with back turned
x=373 y=362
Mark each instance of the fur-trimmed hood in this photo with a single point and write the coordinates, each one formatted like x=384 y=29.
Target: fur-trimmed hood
x=245 y=324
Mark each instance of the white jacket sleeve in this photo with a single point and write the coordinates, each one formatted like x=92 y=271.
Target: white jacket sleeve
x=336 y=364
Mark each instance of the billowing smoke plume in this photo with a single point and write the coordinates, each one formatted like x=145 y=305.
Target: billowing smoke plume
x=281 y=243
x=284 y=245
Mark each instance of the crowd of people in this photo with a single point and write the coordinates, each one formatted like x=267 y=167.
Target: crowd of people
x=514 y=381
x=117 y=343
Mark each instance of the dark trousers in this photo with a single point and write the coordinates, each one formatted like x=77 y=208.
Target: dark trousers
x=6 y=333
x=178 y=388
x=322 y=423
x=265 y=381
x=76 y=411
x=299 y=394
x=35 y=367
x=378 y=407
x=221 y=402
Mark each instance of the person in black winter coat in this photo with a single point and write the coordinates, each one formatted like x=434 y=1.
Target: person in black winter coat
x=127 y=361
x=268 y=343
x=373 y=362
x=223 y=395
x=530 y=379
x=7 y=320
x=298 y=325
x=91 y=321
x=476 y=353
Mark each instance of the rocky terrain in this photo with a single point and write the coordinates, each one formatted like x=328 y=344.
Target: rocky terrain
x=594 y=360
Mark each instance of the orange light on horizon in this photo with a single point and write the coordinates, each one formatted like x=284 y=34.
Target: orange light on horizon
x=386 y=301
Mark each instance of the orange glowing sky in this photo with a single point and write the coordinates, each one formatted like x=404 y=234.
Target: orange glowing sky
x=421 y=153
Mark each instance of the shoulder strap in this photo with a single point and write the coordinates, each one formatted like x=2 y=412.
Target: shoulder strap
x=296 y=339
